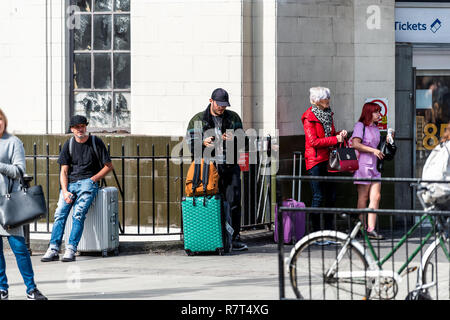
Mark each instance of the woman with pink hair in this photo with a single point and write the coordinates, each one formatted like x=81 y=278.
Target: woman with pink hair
x=365 y=139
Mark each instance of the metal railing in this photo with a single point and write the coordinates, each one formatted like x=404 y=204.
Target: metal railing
x=256 y=211
x=383 y=265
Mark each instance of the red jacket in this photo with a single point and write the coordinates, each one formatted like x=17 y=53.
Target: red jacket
x=316 y=144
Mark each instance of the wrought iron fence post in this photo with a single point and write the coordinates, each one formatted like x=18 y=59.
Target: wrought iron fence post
x=181 y=185
x=153 y=189
x=168 y=187
x=48 y=186
x=138 y=192
x=123 y=189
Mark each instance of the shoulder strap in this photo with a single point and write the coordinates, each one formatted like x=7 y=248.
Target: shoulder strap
x=195 y=180
x=71 y=146
x=21 y=180
x=94 y=147
x=196 y=177
x=205 y=179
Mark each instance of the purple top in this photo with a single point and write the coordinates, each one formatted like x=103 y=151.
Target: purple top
x=371 y=139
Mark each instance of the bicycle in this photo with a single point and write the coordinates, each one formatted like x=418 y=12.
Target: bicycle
x=349 y=269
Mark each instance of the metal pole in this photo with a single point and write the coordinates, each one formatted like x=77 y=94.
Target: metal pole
x=280 y=241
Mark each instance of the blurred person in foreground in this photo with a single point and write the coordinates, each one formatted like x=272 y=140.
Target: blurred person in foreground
x=12 y=161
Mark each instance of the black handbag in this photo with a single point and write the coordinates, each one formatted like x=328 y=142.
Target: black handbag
x=23 y=206
x=389 y=150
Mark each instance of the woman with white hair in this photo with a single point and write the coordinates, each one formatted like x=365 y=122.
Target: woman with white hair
x=320 y=135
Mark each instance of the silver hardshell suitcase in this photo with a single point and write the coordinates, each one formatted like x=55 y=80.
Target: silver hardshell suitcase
x=101 y=227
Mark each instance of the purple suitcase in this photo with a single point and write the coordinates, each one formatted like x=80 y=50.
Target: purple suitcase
x=293 y=222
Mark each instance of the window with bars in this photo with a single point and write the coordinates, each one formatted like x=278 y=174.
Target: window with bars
x=101 y=64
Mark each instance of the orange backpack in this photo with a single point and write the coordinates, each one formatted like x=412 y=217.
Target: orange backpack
x=207 y=185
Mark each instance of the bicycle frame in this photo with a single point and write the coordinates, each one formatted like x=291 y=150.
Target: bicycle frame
x=373 y=275
x=404 y=239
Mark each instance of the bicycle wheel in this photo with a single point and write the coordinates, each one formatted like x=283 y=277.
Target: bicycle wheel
x=436 y=270
x=310 y=262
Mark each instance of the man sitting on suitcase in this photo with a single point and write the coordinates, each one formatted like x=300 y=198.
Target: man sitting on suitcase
x=84 y=162
x=215 y=118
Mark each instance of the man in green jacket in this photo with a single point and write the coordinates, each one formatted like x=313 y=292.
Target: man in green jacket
x=207 y=135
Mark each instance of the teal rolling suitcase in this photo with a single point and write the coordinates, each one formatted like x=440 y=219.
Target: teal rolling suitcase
x=205 y=227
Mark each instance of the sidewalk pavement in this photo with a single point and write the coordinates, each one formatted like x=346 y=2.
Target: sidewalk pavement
x=163 y=271
x=158 y=271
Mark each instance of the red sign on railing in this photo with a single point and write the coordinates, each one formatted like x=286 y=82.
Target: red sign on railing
x=244 y=161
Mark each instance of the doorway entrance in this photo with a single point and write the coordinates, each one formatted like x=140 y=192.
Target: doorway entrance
x=432 y=104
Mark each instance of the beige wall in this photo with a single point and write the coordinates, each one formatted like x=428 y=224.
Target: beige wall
x=33 y=49
x=266 y=53
x=263 y=62
x=181 y=52
x=329 y=44
x=374 y=57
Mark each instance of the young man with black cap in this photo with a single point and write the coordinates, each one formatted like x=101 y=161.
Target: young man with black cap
x=84 y=162
x=210 y=126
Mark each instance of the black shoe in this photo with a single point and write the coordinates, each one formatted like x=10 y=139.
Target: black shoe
x=237 y=245
x=4 y=295
x=374 y=235
x=35 y=294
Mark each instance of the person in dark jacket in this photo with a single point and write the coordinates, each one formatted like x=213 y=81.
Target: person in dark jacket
x=207 y=134
x=320 y=135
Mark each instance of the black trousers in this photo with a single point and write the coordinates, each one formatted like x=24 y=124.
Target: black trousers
x=230 y=188
x=323 y=195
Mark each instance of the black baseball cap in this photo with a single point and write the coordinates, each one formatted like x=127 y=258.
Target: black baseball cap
x=77 y=119
x=220 y=96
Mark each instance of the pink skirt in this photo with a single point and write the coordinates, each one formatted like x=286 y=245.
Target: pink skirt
x=366 y=171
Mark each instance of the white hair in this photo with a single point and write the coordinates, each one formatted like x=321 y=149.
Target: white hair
x=318 y=93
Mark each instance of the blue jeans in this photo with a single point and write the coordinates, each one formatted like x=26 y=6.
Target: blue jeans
x=85 y=191
x=23 y=259
x=323 y=195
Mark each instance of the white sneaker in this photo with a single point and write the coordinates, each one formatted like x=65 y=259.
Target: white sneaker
x=50 y=255
x=69 y=255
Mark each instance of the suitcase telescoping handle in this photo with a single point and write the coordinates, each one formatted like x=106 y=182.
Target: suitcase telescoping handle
x=297 y=154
